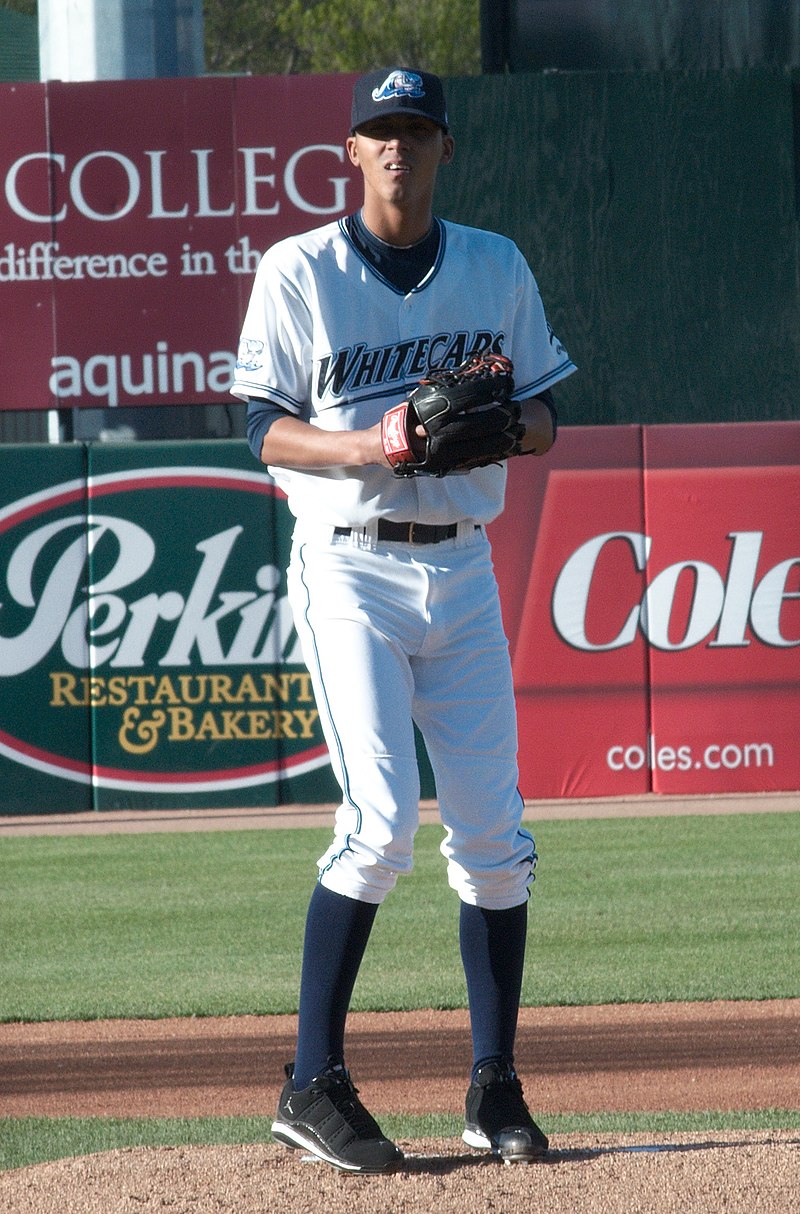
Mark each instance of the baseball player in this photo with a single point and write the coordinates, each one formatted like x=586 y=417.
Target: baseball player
x=394 y=596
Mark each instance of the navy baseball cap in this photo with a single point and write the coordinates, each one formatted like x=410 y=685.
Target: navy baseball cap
x=398 y=90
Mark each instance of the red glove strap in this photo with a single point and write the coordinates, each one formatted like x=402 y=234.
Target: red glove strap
x=394 y=435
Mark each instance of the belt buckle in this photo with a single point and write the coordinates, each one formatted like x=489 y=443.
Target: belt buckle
x=411 y=539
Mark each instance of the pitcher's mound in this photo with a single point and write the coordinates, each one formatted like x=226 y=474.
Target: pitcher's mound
x=737 y=1172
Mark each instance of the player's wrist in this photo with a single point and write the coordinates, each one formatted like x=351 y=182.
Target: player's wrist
x=538 y=423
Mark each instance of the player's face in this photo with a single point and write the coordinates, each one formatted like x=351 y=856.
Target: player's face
x=399 y=156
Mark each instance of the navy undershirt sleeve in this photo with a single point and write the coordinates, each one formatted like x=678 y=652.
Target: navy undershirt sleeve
x=260 y=416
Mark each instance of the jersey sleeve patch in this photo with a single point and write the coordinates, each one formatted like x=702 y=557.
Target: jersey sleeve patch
x=251 y=354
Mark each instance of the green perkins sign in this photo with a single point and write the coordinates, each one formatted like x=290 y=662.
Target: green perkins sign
x=147 y=650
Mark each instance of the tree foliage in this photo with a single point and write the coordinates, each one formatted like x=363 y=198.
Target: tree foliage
x=278 y=37
x=247 y=36
x=342 y=35
x=21 y=6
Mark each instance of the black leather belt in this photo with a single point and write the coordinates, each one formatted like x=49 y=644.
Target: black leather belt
x=408 y=533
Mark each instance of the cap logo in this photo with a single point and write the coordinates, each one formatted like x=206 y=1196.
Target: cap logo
x=399 y=84
x=398 y=90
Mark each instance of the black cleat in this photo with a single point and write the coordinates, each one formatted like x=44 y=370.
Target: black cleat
x=329 y=1121
x=497 y=1117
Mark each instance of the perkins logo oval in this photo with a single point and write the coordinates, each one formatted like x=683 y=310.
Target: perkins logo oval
x=146 y=642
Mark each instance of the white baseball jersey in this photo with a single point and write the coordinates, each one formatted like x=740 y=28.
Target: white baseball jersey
x=335 y=344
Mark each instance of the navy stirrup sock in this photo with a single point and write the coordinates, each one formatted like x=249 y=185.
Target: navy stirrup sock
x=493 y=954
x=337 y=931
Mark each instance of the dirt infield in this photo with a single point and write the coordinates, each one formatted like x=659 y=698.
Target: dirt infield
x=623 y=1058
x=284 y=817
x=675 y=1057
x=732 y=1173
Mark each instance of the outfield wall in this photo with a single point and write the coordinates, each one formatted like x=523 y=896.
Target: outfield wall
x=652 y=611
x=650 y=579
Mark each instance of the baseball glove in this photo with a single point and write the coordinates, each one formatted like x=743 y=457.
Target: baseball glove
x=467 y=415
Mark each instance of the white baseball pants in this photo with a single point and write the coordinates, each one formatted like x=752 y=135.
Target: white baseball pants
x=394 y=633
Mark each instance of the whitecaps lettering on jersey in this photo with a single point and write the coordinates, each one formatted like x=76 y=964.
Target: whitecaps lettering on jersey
x=354 y=368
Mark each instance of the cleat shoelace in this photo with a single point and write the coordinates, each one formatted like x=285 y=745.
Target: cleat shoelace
x=344 y=1095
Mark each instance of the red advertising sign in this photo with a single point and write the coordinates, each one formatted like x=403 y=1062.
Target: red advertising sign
x=656 y=633
x=650 y=581
x=133 y=216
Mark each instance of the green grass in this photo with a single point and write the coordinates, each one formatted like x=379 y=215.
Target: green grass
x=31 y=1140
x=631 y=910
x=666 y=909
